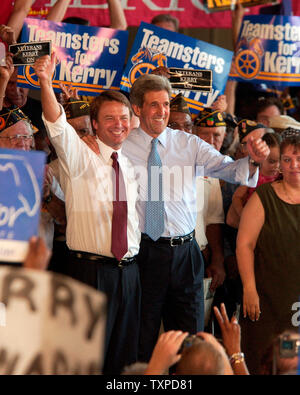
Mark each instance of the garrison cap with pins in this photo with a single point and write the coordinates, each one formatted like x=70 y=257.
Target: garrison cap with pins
x=76 y=108
x=209 y=118
x=10 y=116
x=179 y=104
x=246 y=126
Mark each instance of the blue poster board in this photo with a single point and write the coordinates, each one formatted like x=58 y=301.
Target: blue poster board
x=21 y=182
x=89 y=58
x=154 y=47
x=268 y=51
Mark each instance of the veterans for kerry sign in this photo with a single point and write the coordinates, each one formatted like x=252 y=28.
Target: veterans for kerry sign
x=154 y=47
x=89 y=58
x=50 y=324
x=21 y=180
x=268 y=51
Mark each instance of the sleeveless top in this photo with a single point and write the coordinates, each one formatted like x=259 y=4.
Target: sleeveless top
x=277 y=253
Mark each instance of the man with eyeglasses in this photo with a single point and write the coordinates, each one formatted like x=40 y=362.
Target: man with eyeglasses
x=16 y=131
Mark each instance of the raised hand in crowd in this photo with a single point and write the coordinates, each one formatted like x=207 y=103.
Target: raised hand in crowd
x=162 y=71
x=7 y=34
x=38 y=255
x=165 y=353
x=231 y=336
x=5 y=73
x=68 y=92
x=220 y=104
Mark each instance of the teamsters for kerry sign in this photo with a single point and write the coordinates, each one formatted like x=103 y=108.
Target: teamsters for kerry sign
x=268 y=51
x=89 y=58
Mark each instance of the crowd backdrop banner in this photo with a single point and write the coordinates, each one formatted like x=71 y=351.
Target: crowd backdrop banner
x=50 y=324
x=89 y=58
x=21 y=181
x=268 y=51
x=154 y=47
x=191 y=13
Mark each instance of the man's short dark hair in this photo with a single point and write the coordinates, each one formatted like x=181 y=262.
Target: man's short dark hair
x=107 y=96
x=166 y=18
x=148 y=83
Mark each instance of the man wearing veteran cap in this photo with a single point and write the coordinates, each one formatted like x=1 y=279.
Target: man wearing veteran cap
x=180 y=116
x=78 y=115
x=210 y=126
x=16 y=131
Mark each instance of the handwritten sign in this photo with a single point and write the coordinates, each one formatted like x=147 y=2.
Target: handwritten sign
x=27 y=53
x=21 y=180
x=193 y=80
x=53 y=324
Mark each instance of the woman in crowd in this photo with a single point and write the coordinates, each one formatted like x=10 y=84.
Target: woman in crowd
x=268 y=253
x=268 y=172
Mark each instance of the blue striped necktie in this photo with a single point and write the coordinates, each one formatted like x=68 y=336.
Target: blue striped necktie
x=154 y=222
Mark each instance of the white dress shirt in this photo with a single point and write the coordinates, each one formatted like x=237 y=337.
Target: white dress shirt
x=86 y=180
x=184 y=156
x=209 y=207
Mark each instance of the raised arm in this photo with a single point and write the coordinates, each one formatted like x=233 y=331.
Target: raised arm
x=57 y=12
x=44 y=68
x=117 y=16
x=19 y=13
x=5 y=74
x=252 y=220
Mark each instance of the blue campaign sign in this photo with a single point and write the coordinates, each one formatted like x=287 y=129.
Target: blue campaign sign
x=268 y=51
x=21 y=181
x=89 y=58
x=154 y=47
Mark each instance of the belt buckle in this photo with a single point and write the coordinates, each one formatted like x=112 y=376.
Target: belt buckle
x=176 y=238
x=120 y=265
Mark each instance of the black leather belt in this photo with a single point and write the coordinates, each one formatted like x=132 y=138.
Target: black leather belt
x=102 y=259
x=172 y=241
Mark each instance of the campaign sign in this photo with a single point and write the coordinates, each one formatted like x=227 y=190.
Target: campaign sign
x=50 y=324
x=223 y=5
x=268 y=51
x=28 y=53
x=89 y=58
x=194 y=80
x=154 y=47
x=21 y=181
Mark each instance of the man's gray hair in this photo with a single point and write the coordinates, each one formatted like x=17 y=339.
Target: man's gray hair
x=148 y=83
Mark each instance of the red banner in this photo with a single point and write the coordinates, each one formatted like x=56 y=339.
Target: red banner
x=190 y=13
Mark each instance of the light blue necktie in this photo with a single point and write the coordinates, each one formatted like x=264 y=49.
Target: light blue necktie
x=154 y=224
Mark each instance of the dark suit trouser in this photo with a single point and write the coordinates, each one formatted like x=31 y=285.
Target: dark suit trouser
x=172 y=290
x=122 y=289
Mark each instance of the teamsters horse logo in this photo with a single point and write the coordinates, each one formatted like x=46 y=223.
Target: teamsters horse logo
x=144 y=61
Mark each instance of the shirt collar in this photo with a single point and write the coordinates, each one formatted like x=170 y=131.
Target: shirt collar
x=162 y=138
x=106 y=151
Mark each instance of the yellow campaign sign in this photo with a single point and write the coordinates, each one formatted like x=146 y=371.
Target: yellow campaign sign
x=224 y=5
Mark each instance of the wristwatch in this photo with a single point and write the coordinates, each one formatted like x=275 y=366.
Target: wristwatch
x=252 y=162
